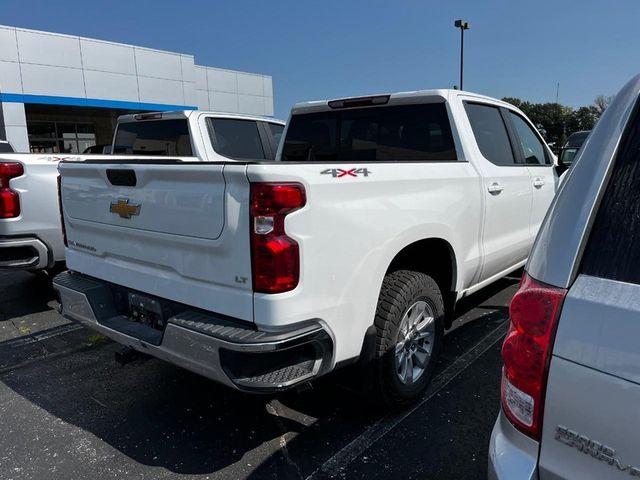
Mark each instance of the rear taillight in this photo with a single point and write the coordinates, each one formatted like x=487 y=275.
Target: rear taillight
x=64 y=230
x=275 y=257
x=526 y=351
x=9 y=199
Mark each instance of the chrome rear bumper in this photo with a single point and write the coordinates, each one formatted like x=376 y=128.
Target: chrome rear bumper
x=229 y=351
x=27 y=253
x=511 y=453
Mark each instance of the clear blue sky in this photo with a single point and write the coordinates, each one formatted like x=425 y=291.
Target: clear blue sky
x=328 y=49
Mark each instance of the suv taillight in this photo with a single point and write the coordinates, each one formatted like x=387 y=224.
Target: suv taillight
x=9 y=199
x=275 y=257
x=526 y=351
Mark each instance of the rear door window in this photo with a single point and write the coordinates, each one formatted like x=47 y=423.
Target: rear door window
x=237 y=139
x=154 y=137
x=490 y=133
x=392 y=133
x=5 y=147
x=613 y=248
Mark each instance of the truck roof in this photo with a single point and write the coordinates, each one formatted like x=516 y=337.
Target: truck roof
x=442 y=94
x=134 y=117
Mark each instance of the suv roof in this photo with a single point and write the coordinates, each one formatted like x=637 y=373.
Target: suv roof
x=576 y=139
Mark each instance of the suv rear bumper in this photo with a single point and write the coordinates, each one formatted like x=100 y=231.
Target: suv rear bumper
x=226 y=350
x=511 y=453
x=23 y=253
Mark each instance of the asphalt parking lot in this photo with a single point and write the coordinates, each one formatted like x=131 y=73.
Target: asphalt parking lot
x=69 y=411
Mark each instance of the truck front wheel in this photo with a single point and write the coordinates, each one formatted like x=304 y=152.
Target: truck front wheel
x=409 y=325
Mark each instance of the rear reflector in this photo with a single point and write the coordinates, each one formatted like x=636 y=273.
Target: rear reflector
x=526 y=352
x=9 y=198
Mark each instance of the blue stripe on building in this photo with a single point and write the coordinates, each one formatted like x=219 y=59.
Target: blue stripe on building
x=89 y=102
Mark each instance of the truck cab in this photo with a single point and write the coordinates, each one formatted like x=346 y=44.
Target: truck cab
x=209 y=136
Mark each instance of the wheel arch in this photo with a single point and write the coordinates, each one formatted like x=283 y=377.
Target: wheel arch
x=417 y=254
x=434 y=257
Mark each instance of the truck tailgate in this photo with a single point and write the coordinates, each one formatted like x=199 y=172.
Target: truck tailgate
x=175 y=231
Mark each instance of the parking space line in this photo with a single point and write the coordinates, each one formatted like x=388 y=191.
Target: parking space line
x=40 y=336
x=375 y=432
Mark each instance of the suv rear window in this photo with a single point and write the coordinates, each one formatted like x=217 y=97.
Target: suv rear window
x=613 y=249
x=154 y=137
x=394 y=134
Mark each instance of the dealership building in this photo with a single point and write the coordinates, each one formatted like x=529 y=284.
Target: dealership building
x=62 y=93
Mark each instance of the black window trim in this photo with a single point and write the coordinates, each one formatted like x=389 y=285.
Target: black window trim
x=214 y=139
x=515 y=150
x=514 y=131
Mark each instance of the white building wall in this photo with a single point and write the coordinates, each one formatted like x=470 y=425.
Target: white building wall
x=232 y=91
x=14 y=123
x=100 y=73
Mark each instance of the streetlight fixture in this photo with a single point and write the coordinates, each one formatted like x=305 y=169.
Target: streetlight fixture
x=462 y=25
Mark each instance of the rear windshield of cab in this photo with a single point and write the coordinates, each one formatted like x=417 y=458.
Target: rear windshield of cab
x=419 y=132
x=154 y=137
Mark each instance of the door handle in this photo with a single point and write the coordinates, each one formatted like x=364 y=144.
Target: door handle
x=538 y=182
x=495 y=188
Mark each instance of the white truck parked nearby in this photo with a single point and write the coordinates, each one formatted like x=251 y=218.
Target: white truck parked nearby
x=30 y=230
x=379 y=214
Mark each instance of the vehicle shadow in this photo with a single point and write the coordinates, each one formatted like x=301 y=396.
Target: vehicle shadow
x=23 y=293
x=157 y=415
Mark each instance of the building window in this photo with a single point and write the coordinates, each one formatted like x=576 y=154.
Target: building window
x=60 y=137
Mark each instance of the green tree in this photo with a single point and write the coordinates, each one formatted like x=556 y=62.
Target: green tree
x=556 y=122
x=584 y=118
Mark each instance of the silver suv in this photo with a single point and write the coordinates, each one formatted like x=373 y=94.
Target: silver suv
x=571 y=376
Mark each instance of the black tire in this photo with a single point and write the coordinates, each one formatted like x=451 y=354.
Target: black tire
x=400 y=290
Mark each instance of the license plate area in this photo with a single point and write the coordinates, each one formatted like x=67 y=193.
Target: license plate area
x=137 y=315
x=146 y=311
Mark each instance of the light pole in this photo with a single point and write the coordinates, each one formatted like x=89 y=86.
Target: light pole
x=462 y=25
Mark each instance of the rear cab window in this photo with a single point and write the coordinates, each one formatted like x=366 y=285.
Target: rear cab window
x=154 y=137
x=236 y=138
x=395 y=133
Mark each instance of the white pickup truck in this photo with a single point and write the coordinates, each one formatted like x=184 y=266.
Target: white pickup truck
x=379 y=214
x=30 y=231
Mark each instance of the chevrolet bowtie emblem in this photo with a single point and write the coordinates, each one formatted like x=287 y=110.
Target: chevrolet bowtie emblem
x=125 y=209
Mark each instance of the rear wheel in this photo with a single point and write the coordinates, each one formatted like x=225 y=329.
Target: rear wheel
x=409 y=323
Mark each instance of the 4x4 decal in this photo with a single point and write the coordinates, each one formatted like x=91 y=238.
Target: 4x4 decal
x=352 y=172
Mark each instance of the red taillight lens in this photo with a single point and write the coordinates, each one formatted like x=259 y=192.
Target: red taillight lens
x=9 y=199
x=534 y=313
x=275 y=256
